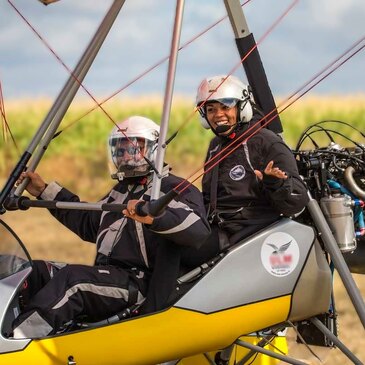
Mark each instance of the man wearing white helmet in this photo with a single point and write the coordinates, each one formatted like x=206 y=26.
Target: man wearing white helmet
x=129 y=246
x=258 y=181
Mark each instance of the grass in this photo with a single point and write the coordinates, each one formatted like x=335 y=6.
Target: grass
x=78 y=155
x=350 y=109
x=78 y=159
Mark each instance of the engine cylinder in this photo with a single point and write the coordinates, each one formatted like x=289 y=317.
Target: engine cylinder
x=339 y=215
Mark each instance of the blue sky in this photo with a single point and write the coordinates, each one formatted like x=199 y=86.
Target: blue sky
x=313 y=34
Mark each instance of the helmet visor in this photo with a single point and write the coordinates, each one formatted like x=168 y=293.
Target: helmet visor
x=228 y=102
x=127 y=155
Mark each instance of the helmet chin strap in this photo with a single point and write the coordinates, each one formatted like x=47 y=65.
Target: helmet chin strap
x=223 y=128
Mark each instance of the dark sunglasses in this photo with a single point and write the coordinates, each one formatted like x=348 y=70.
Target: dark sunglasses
x=132 y=150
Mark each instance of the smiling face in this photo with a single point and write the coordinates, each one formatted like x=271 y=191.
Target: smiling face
x=220 y=115
x=129 y=151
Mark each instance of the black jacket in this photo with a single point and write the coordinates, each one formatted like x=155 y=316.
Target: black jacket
x=237 y=185
x=129 y=244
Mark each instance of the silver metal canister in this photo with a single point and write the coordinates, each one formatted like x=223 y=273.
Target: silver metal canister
x=339 y=215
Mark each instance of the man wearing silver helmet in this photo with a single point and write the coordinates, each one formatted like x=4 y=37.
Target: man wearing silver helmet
x=129 y=246
x=256 y=180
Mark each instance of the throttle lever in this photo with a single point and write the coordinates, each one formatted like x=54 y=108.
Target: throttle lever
x=156 y=207
x=141 y=208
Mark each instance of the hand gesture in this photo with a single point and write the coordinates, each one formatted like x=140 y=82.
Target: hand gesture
x=272 y=171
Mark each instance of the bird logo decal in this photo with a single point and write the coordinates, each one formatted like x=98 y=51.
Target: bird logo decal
x=280 y=254
x=281 y=249
x=280 y=259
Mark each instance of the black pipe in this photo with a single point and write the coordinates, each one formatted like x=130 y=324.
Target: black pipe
x=50 y=124
x=153 y=208
x=156 y=207
x=257 y=79
x=14 y=176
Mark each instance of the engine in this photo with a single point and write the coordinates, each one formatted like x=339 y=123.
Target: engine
x=335 y=176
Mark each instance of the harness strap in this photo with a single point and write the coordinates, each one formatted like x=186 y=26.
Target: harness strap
x=132 y=292
x=223 y=240
x=214 y=185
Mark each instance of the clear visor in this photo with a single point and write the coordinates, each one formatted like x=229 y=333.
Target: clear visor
x=228 y=102
x=127 y=156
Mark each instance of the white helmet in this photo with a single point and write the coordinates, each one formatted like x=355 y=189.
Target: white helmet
x=228 y=90
x=130 y=144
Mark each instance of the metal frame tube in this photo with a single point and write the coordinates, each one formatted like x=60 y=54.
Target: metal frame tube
x=155 y=193
x=262 y=343
x=58 y=110
x=335 y=340
x=253 y=66
x=337 y=257
x=273 y=354
x=25 y=203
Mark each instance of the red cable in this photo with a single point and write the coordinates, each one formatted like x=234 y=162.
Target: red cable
x=281 y=17
x=238 y=141
x=59 y=59
x=304 y=86
x=85 y=89
x=147 y=71
x=70 y=71
x=261 y=39
x=4 y=123
x=246 y=135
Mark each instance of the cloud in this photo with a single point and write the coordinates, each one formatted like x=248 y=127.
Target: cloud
x=331 y=14
x=310 y=36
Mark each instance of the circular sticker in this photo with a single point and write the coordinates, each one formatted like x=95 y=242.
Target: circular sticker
x=280 y=254
x=237 y=173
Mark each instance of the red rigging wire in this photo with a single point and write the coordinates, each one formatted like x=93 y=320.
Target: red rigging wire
x=192 y=114
x=271 y=28
x=3 y=116
x=235 y=144
x=4 y=123
x=318 y=75
x=150 y=69
x=48 y=46
x=309 y=85
x=99 y=104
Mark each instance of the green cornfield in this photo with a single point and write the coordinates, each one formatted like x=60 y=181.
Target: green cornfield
x=77 y=157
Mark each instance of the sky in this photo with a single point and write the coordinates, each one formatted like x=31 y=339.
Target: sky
x=311 y=36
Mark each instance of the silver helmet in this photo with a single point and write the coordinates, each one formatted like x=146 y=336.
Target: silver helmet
x=228 y=90
x=130 y=144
